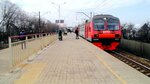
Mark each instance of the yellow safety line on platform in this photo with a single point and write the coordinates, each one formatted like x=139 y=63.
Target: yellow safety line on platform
x=108 y=67
x=112 y=71
x=31 y=74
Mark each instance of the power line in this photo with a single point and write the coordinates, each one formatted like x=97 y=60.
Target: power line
x=104 y=4
x=97 y=4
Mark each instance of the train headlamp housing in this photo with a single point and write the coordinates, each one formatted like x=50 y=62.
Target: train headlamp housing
x=105 y=18
x=96 y=35
x=117 y=35
x=116 y=39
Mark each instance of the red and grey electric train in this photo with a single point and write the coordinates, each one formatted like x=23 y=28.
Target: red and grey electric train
x=103 y=31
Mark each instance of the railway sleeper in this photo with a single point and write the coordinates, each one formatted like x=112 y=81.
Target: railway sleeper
x=142 y=71
x=134 y=66
x=138 y=68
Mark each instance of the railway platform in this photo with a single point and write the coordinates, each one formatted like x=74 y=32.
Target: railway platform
x=76 y=61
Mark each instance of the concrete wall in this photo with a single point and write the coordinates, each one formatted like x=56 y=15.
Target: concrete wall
x=139 y=48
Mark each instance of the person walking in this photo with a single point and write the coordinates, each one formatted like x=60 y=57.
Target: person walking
x=77 y=33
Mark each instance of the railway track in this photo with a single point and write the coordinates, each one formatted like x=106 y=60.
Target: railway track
x=138 y=65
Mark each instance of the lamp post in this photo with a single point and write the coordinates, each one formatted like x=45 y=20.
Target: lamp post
x=58 y=9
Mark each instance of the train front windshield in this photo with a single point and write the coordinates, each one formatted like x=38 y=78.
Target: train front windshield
x=113 y=24
x=99 y=24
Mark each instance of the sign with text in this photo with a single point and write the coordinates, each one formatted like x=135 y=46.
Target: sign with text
x=57 y=21
x=61 y=21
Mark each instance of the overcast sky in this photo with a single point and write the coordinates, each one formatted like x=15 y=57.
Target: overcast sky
x=134 y=11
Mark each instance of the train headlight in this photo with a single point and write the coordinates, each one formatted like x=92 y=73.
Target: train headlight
x=105 y=18
x=95 y=39
x=116 y=39
x=117 y=35
x=96 y=35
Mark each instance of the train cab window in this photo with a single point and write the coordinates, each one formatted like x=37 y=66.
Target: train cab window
x=113 y=24
x=98 y=24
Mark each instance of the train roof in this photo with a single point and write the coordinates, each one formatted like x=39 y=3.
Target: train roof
x=104 y=16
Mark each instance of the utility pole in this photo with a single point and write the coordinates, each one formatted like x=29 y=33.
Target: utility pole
x=91 y=14
x=59 y=12
x=39 y=23
x=58 y=9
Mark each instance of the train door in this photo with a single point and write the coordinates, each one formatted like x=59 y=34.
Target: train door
x=89 y=32
x=86 y=31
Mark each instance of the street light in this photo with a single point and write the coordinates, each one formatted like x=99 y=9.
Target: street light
x=58 y=8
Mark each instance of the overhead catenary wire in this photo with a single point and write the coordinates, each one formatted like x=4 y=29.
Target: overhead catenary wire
x=98 y=5
x=104 y=5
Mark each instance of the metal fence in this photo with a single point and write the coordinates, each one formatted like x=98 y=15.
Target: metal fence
x=22 y=47
x=138 y=48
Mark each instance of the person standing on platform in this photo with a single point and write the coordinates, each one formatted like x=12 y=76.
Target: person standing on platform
x=77 y=33
x=22 y=35
x=60 y=34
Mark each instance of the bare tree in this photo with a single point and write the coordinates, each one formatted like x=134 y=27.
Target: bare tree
x=8 y=10
x=144 y=32
x=128 y=31
x=124 y=32
x=13 y=19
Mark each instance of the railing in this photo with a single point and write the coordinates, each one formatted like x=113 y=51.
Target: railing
x=22 y=47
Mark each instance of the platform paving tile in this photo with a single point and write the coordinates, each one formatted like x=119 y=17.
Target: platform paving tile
x=71 y=62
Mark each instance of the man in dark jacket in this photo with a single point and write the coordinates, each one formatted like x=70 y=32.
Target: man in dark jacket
x=22 y=35
x=60 y=34
x=77 y=33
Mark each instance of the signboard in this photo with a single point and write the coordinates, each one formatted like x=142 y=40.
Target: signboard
x=61 y=21
x=57 y=21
